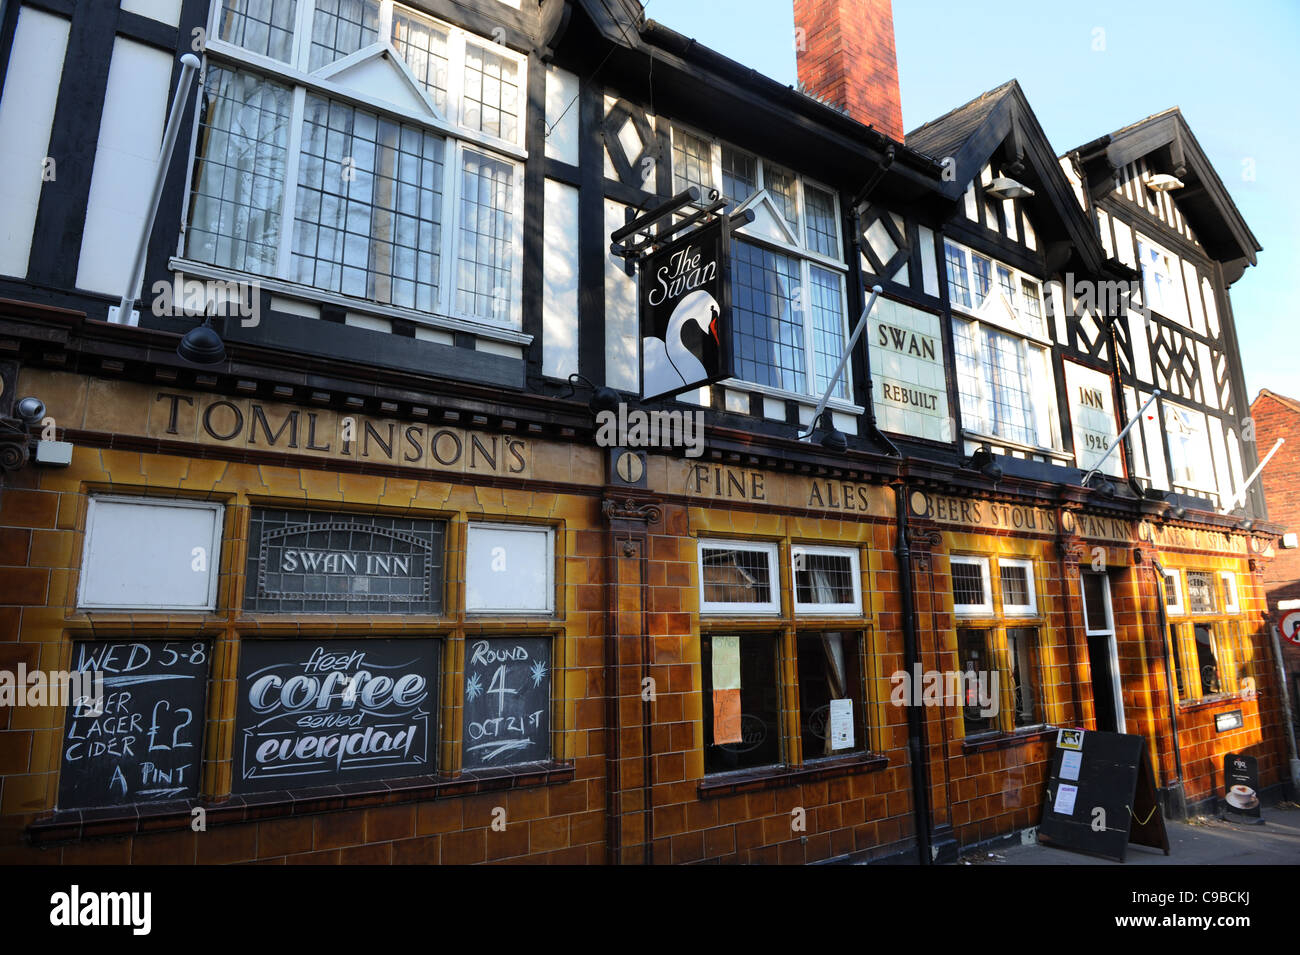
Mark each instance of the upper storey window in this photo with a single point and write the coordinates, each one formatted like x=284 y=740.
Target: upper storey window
x=788 y=268
x=1162 y=286
x=1002 y=349
x=361 y=148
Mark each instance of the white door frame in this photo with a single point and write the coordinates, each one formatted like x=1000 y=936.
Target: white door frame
x=1117 y=690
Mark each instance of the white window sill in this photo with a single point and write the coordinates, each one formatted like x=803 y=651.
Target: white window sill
x=835 y=404
x=311 y=295
x=1008 y=443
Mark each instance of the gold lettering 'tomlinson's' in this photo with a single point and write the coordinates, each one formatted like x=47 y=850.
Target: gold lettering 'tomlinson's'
x=266 y=426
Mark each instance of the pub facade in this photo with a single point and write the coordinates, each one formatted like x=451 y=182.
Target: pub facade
x=373 y=588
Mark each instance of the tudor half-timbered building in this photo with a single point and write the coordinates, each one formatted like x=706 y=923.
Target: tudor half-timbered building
x=399 y=217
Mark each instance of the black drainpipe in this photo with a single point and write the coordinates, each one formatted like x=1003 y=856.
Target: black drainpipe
x=902 y=552
x=1175 y=801
x=915 y=721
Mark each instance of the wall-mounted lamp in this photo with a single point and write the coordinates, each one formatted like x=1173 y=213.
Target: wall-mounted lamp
x=832 y=438
x=202 y=345
x=1177 y=513
x=982 y=460
x=1099 y=485
x=1004 y=187
x=603 y=398
x=1163 y=182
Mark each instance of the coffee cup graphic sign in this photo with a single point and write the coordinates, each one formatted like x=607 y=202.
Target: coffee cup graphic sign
x=1241 y=784
x=685 y=313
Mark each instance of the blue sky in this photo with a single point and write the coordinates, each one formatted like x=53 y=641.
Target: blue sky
x=1235 y=77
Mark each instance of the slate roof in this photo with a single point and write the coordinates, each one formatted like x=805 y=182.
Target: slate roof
x=944 y=135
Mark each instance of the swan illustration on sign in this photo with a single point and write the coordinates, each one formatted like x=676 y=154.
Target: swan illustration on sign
x=685 y=307
x=669 y=365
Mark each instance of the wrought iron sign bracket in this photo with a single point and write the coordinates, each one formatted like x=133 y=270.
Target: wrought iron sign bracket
x=623 y=241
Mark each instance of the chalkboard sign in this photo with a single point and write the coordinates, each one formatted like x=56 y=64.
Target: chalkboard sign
x=507 y=701
x=143 y=741
x=1101 y=795
x=320 y=712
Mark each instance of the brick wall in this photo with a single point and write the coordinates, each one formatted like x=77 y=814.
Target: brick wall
x=846 y=55
x=1277 y=418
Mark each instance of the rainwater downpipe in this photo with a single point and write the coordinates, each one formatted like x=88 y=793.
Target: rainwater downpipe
x=911 y=658
x=1177 y=783
x=903 y=555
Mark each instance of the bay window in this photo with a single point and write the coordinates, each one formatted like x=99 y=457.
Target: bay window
x=788 y=269
x=1003 y=355
x=364 y=149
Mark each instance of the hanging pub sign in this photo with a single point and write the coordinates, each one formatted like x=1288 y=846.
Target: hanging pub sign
x=685 y=304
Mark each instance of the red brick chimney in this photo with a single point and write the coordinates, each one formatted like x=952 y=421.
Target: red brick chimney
x=847 y=58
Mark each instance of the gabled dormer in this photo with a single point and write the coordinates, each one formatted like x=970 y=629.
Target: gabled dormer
x=1160 y=208
x=1004 y=238
x=1002 y=176
x=1159 y=178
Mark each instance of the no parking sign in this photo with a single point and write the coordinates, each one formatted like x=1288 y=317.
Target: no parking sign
x=1290 y=627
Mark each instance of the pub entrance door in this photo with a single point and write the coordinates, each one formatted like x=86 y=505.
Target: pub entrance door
x=1103 y=653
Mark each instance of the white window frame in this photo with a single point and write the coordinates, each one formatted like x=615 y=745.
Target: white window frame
x=1230 y=601
x=1173 y=304
x=801 y=251
x=726 y=608
x=1029 y=609
x=817 y=609
x=549 y=609
x=1112 y=643
x=984 y=312
x=456 y=140
x=214 y=550
x=1202 y=481
x=1034 y=346
x=1046 y=415
x=1174 y=587
x=984 y=609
